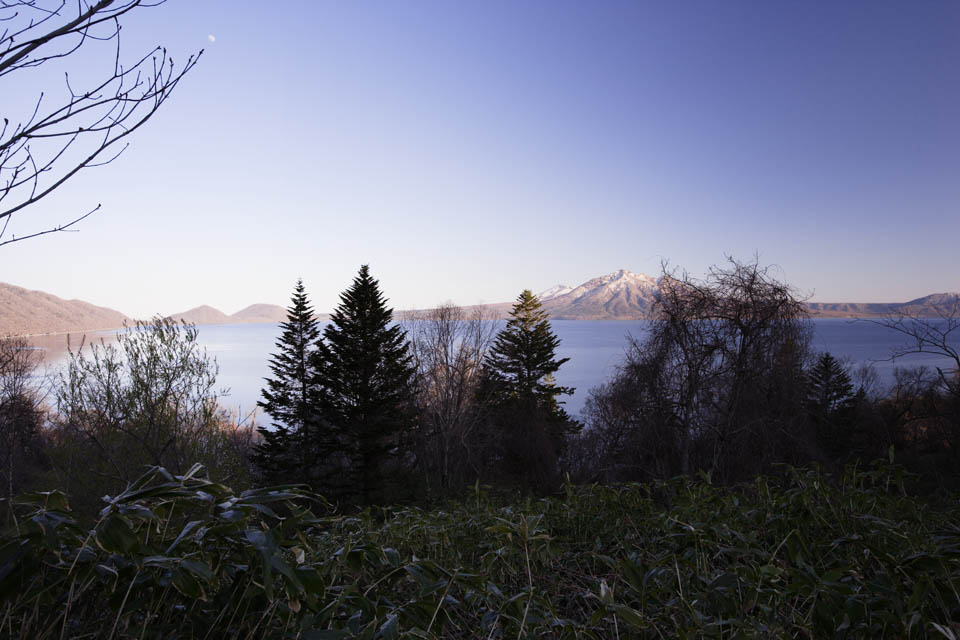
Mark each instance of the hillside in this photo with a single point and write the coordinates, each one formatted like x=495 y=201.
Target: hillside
x=932 y=305
x=255 y=313
x=260 y=313
x=204 y=314
x=622 y=295
x=33 y=312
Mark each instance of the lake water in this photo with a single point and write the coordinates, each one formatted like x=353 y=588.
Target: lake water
x=594 y=348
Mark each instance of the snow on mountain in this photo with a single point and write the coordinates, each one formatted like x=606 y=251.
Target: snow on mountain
x=621 y=295
x=554 y=291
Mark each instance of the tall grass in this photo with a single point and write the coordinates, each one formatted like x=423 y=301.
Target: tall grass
x=800 y=555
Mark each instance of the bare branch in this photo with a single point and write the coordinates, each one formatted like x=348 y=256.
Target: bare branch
x=55 y=141
x=931 y=329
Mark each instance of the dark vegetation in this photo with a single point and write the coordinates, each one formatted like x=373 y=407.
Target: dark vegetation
x=723 y=483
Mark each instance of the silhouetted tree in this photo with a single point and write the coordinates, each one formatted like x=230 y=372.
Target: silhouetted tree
x=21 y=416
x=150 y=399
x=830 y=403
x=294 y=449
x=370 y=377
x=89 y=125
x=528 y=423
x=449 y=345
x=717 y=383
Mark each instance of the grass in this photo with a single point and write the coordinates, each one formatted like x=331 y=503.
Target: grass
x=798 y=555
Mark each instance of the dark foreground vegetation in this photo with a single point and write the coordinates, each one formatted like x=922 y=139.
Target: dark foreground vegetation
x=794 y=555
x=721 y=484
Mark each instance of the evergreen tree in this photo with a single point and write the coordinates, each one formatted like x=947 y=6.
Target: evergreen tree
x=530 y=428
x=523 y=356
x=370 y=377
x=293 y=398
x=830 y=403
x=829 y=388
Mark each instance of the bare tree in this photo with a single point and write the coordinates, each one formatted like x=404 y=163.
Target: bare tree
x=87 y=126
x=717 y=384
x=927 y=403
x=449 y=345
x=932 y=329
x=21 y=413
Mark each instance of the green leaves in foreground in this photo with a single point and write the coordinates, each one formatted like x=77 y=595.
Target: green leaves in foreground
x=800 y=556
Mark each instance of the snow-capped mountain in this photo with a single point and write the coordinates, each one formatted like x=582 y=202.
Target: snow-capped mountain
x=622 y=295
x=554 y=291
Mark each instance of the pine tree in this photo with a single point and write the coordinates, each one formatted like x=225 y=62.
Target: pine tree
x=293 y=398
x=370 y=377
x=523 y=355
x=530 y=427
x=830 y=404
x=829 y=388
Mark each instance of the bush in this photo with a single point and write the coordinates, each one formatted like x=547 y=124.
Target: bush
x=148 y=400
x=795 y=556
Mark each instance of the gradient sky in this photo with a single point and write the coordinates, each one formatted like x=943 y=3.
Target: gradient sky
x=468 y=150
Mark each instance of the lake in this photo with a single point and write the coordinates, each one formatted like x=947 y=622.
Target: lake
x=594 y=348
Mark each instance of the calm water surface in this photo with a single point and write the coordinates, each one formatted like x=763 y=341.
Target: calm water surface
x=594 y=348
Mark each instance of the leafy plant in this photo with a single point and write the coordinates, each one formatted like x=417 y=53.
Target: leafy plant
x=796 y=555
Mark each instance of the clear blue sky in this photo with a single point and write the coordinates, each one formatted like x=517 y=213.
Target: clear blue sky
x=468 y=150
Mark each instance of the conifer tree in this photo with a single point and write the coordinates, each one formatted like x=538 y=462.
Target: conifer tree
x=829 y=388
x=370 y=378
x=830 y=403
x=293 y=397
x=523 y=356
x=529 y=426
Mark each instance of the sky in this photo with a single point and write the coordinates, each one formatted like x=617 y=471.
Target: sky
x=469 y=150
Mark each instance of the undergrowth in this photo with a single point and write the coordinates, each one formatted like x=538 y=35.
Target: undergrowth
x=799 y=555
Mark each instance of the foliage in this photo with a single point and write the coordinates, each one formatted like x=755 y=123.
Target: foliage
x=830 y=404
x=797 y=555
x=21 y=416
x=528 y=427
x=294 y=398
x=523 y=356
x=829 y=388
x=369 y=375
x=148 y=400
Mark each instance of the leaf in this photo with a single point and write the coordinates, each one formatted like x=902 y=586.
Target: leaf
x=327 y=634
x=630 y=616
x=200 y=569
x=390 y=630
x=187 y=530
x=115 y=535
x=606 y=593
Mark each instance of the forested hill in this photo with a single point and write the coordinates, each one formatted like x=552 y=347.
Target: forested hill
x=32 y=312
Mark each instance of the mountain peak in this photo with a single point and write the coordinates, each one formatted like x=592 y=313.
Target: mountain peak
x=554 y=291
x=204 y=314
x=622 y=294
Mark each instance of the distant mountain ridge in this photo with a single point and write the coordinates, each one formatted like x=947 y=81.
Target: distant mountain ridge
x=254 y=313
x=621 y=295
x=25 y=312
x=205 y=314
x=624 y=295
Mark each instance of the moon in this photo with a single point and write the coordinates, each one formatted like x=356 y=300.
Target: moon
x=211 y=38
